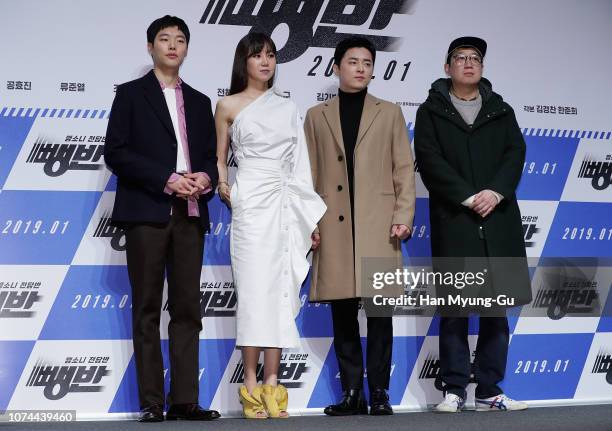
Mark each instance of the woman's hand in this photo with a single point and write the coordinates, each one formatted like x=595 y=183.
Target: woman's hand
x=224 y=193
x=316 y=240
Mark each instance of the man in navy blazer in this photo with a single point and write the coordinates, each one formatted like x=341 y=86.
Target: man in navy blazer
x=161 y=145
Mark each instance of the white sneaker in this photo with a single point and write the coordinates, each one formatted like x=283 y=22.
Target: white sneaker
x=451 y=404
x=499 y=403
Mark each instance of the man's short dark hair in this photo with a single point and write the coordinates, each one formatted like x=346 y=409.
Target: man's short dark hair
x=164 y=22
x=353 y=42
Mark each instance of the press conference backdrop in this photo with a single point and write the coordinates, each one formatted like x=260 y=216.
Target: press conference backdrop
x=64 y=294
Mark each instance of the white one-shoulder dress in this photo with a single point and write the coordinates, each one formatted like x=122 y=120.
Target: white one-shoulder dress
x=274 y=212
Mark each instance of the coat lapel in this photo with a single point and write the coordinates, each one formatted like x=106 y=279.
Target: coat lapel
x=155 y=97
x=371 y=109
x=331 y=112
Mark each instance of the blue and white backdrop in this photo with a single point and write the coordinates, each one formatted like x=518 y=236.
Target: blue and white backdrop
x=64 y=293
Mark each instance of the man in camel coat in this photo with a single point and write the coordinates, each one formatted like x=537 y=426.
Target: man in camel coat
x=363 y=169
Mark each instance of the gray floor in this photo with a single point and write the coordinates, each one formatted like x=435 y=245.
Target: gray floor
x=575 y=418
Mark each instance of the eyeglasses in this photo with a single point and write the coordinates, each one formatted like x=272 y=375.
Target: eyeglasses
x=462 y=59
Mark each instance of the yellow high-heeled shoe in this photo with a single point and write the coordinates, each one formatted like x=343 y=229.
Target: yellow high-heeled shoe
x=282 y=398
x=252 y=405
x=275 y=400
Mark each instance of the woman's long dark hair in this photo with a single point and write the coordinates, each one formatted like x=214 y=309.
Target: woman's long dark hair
x=249 y=45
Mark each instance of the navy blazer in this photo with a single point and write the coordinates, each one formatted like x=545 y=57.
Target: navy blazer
x=141 y=148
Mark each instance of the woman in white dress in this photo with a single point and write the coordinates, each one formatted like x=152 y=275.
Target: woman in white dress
x=274 y=212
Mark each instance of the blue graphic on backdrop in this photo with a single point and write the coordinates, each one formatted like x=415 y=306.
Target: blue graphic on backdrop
x=91 y=298
x=314 y=319
x=13 y=358
x=419 y=245
x=542 y=367
x=126 y=397
x=111 y=186
x=328 y=387
x=216 y=243
x=410 y=129
x=43 y=227
x=605 y=323
x=405 y=353
x=46 y=227
x=547 y=164
x=13 y=131
x=214 y=357
x=580 y=229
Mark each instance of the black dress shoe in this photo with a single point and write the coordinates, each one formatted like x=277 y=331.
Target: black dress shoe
x=190 y=412
x=353 y=403
x=379 y=403
x=151 y=414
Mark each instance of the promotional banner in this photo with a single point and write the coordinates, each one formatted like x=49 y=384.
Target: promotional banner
x=65 y=299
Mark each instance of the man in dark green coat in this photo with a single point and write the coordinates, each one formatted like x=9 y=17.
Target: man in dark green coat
x=470 y=153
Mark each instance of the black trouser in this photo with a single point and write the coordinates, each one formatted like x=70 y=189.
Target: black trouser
x=490 y=360
x=175 y=248
x=347 y=344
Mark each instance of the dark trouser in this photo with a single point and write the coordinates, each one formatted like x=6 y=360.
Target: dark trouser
x=176 y=248
x=347 y=344
x=490 y=360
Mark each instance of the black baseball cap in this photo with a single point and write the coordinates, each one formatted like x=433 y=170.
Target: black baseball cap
x=467 y=42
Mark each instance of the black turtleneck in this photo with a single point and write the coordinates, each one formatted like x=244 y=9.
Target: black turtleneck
x=351 y=107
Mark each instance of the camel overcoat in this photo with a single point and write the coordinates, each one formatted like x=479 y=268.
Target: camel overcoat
x=384 y=193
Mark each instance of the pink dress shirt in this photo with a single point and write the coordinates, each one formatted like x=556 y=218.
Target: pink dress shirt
x=192 y=205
